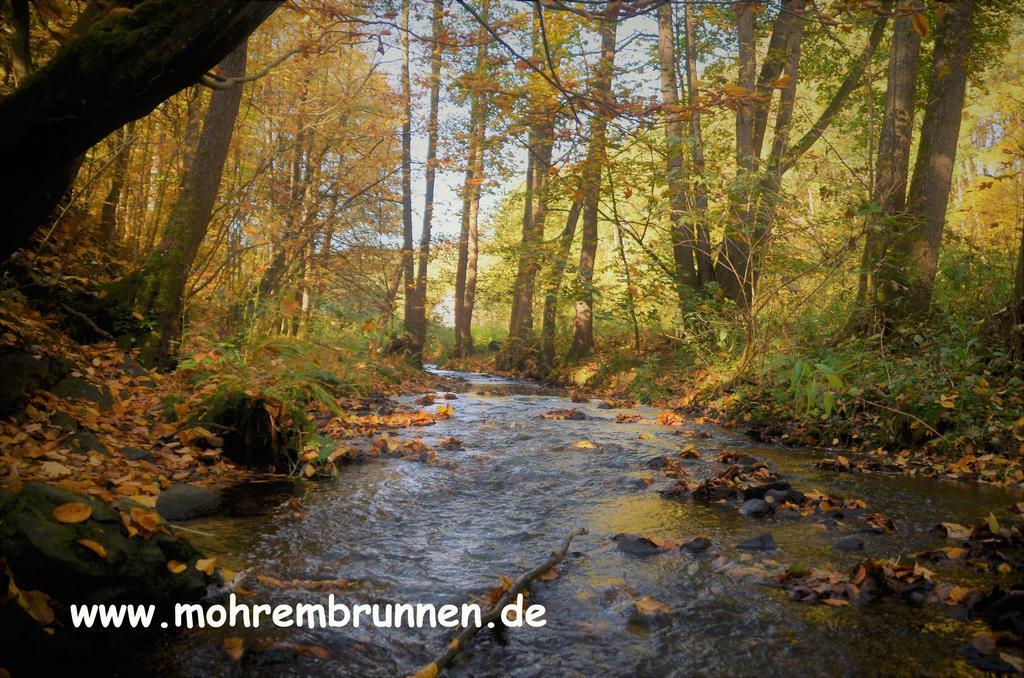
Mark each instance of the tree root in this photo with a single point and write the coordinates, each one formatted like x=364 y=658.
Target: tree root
x=493 y=615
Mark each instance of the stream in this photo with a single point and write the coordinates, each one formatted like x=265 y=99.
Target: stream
x=416 y=532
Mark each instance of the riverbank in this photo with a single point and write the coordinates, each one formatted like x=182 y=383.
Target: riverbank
x=945 y=406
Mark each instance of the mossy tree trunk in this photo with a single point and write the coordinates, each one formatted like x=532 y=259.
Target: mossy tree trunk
x=161 y=292
x=118 y=70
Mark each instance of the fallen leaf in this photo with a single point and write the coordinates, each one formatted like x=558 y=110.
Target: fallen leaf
x=234 y=648
x=206 y=566
x=72 y=512
x=94 y=546
x=650 y=607
x=175 y=567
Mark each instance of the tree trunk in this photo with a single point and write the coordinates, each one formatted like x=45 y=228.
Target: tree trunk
x=553 y=285
x=465 y=275
x=408 y=267
x=96 y=84
x=118 y=176
x=601 y=93
x=419 y=334
x=936 y=154
x=733 y=270
x=540 y=146
x=678 y=181
x=879 y=272
x=705 y=264
x=19 y=34
x=162 y=289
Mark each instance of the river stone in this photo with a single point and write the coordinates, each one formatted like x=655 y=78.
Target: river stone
x=88 y=442
x=755 y=508
x=64 y=421
x=76 y=387
x=46 y=555
x=759 y=491
x=182 y=501
x=23 y=373
x=851 y=543
x=762 y=542
x=136 y=454
x=635 y=545
x=657 y=462
x=697 y=544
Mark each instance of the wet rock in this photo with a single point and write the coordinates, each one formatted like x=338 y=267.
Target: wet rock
x=136 y=454
x=755 y=508
x=786 y=514
x=132 y=367
x=851 y=543
x=762 y=542
x=80 y=389
x=64 y=421
x=759 y=491
x=88 y=442
x=657 y=462
x=748 y=463
x=1003 y=610
x=635 y=545
x=776 y=496
x=697 y=545
x=23 y=373
x=255 y=498
x=605 y=405
x=46 y=555
x=182 y=502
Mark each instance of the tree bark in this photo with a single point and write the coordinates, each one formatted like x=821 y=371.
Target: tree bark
x=678 y=181
x=408 y=264
x=601 y=93
x=118 y=176
x=19 y=37
x=553 y=285
x=419 y=333
x=733 y=268
x=465 y=275
x=117 y=71
x=705 y=263
x=162 y=288
x=879 y=272
x=928 y=197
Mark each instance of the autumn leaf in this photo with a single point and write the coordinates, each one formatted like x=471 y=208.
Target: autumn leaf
x=584 y=445
x=175 y=567
x=94 y=546
x=72 y=512
x=206 y=566
x=650 y=607
x=234 y=648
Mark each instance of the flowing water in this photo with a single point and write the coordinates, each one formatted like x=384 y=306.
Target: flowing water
x=415 y=532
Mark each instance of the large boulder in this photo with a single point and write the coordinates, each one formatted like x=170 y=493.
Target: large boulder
x=183 y=502
x=47 y=555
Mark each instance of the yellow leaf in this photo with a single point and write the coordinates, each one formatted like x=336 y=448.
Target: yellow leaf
x=309 y=470
x=94 y=546
x=175 y=567
x=650 y=607
x=137 y=315
x=72 y=512
x=206 y=566
x=428 y=671
x=234 y=647
x=584 y=445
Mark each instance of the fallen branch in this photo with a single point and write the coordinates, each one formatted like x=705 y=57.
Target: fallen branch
x=88 y=321
x=494 y=614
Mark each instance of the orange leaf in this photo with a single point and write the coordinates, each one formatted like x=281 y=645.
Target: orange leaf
x=920 y=24
x=94 y=546
x=175 y=567
x=72 y=512
x=234 y=647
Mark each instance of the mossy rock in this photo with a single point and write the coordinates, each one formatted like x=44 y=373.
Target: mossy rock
x=23 y=373
x=47 y=555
